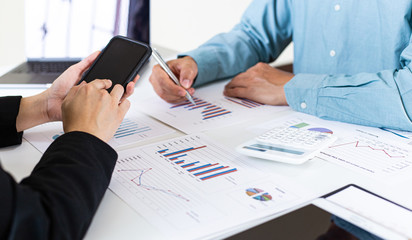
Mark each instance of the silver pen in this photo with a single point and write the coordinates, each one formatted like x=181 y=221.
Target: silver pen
x=169 y=72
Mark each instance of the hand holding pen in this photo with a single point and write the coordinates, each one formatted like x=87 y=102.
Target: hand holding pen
x=174 y=91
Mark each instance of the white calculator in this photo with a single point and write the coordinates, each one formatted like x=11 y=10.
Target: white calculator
x=287 y=144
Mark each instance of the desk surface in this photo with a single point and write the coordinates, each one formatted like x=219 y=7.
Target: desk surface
x=116 y=220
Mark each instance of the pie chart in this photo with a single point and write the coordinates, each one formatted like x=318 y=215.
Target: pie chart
x=258 y=194
x=324 y=130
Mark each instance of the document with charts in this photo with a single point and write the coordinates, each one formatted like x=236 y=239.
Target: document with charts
x=370 y=151
x=134 y=128
x=212 y=110
x=190 y=187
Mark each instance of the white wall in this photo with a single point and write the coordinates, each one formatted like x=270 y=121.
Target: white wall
x=11 y=32
x=176 y=24
x=185 y=24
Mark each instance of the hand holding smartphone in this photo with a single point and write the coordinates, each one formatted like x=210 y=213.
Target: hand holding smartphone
x=119 y=61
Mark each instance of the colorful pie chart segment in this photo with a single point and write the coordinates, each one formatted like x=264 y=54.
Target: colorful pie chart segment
x=324 y=130
x=258 y=194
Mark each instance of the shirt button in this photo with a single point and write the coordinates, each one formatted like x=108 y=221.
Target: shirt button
x=332 y=53
x=303 y=105
x=337 y=7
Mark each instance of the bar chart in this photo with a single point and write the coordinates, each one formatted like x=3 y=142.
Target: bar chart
x=189 y=183
x=135 y=127
x=212 y=110
x=209 y=110
x=204 y=171
x=245 y=102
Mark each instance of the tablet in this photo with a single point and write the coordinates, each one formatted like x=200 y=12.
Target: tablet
x=348 y=213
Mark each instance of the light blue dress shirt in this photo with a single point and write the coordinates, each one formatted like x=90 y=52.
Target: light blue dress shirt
x=352 y=58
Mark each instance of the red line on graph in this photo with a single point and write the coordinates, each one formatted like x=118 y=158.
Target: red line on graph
x=148 y=187
x=375 y=149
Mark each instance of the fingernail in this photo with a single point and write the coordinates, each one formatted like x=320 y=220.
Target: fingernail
x=182 y=93
x=186 y=83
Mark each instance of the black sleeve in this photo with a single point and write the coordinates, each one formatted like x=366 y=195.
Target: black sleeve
x=60 y=197
x=9 y=108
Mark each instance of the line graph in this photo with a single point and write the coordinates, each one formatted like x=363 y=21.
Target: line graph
x=369 y=155
x=138 y=181
x=152 y=180
x=358 y=144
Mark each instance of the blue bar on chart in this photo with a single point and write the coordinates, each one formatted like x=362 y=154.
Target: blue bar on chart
x=201 y=167
x=245 y=102
x=163 y=150
x=214 y=111
x=209 y=110
x=174 y=158
x=202 y=171
x=182 y=151
x=210 y=170
x=129 y=127
x=187 y=104
x=218 y=174
x=189 y=165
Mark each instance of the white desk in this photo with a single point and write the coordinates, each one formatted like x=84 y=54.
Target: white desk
x=116 y=220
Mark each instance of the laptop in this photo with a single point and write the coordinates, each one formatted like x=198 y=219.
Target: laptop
x=60 y=33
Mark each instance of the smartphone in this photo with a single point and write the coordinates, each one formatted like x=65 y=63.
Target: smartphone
x=119 y=61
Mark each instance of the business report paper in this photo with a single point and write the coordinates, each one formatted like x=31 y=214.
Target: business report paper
x=212 y=110
x=134 y=128
x=369 y=151
x=191 y=187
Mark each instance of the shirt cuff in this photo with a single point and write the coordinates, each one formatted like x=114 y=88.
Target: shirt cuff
x=302 y=92
x=206 y=66
x=9 y=109
x=86 y=139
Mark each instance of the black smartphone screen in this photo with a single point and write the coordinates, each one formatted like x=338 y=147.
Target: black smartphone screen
x=119 y=61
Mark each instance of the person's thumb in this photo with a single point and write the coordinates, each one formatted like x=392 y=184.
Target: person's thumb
x=186 y=77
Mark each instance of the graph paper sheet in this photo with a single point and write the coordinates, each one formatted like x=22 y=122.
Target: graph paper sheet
x=212 y=110
x=190 y=187
x=370 y=151
x=134 y=128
